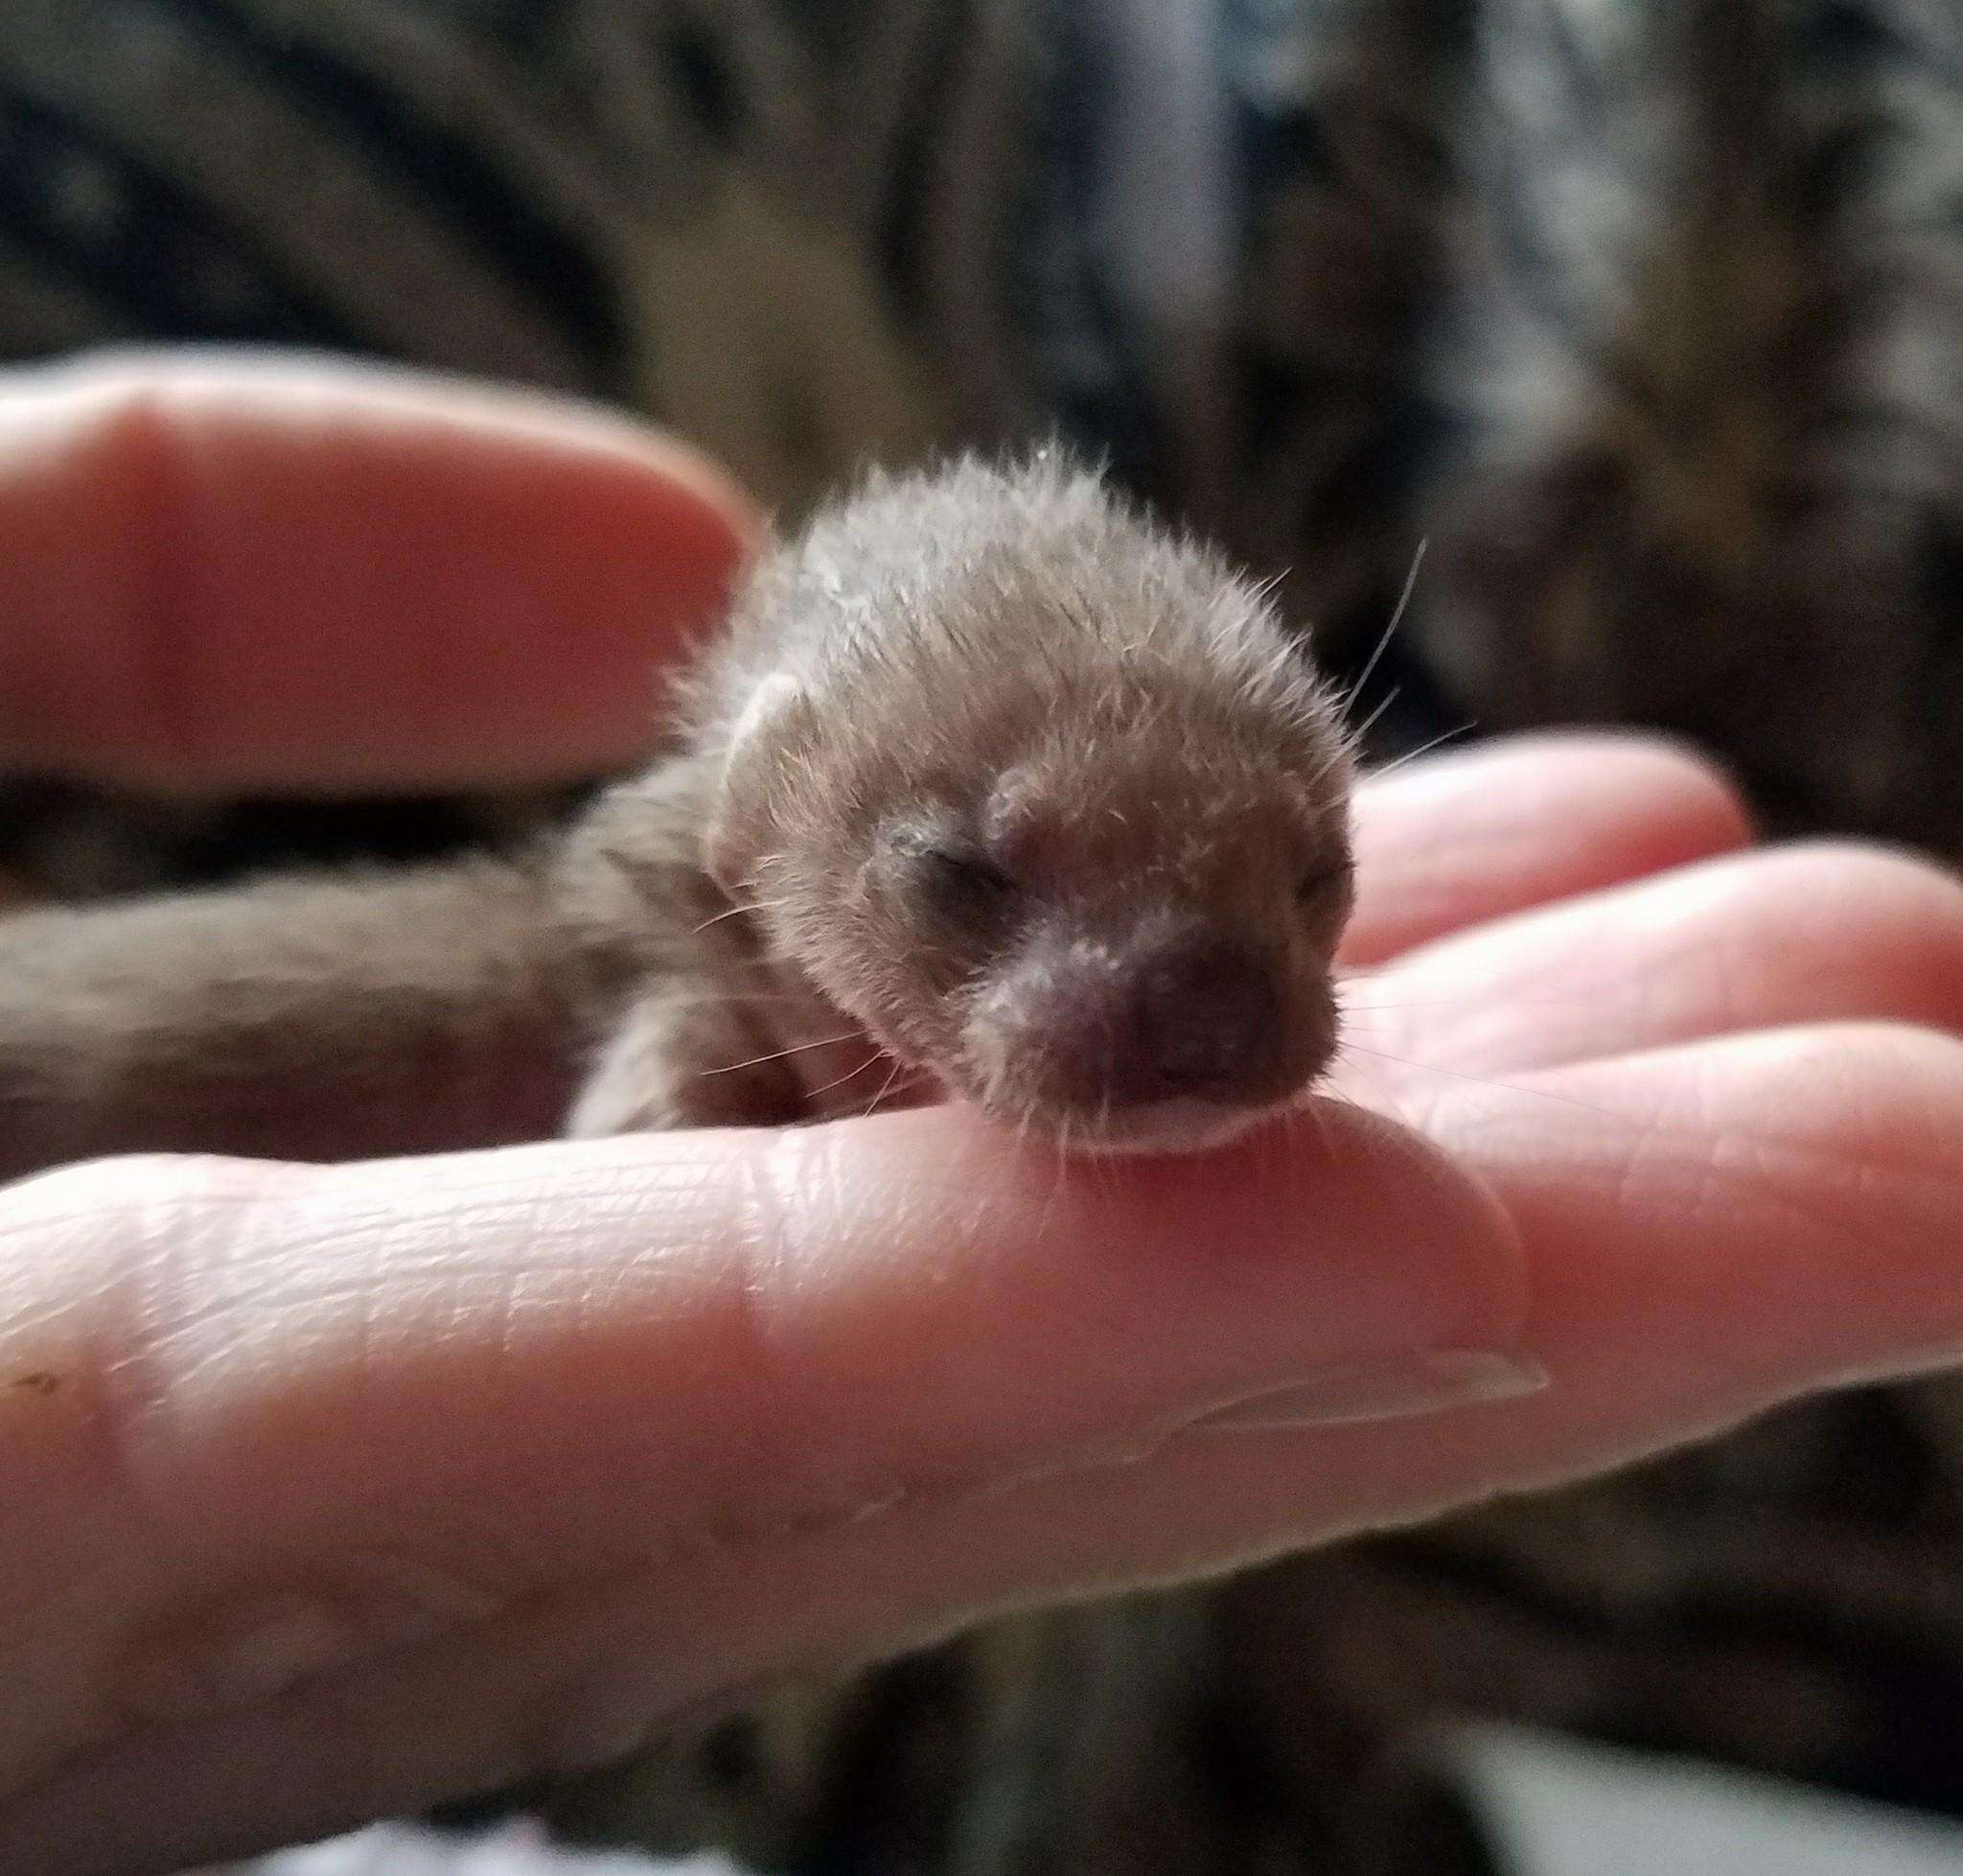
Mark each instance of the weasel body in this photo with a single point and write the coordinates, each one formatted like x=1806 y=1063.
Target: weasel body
x=993 y=789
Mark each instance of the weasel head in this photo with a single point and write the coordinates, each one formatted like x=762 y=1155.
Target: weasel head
x=1063 y=821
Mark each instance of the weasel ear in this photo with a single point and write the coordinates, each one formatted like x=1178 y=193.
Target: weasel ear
x=741 y=822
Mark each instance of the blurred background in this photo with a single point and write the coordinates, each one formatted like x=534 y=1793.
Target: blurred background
x=1647 y=319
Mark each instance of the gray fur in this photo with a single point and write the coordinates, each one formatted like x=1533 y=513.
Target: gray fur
x=715 y=939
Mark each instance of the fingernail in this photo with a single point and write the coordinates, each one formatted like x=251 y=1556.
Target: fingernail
x=1431 y=1381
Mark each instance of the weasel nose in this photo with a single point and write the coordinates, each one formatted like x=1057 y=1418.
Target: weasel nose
x=1198 y=1019
x=1205 y=1022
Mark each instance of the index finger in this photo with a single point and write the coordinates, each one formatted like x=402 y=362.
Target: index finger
x=228 y=572
x=268 y=1432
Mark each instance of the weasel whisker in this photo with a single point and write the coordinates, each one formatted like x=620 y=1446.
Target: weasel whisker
x=739 y=911
x=871 y=1061
x=1371 y=664
x=797 y=1049
x=1409 y=756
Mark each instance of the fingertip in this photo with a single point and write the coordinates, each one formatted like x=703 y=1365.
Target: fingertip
x=1337 y=1237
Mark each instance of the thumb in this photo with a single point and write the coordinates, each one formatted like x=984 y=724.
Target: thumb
x=295 y=1459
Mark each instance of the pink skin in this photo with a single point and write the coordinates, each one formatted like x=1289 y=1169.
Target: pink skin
x=328 y=1493
x=245 y=574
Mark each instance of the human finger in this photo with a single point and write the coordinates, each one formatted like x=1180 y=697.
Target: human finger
x=1737 y=1222
x=292 y=1452
x=1455 y=839
x=1784 y=936
x=1711 y=1230
x=234 y=572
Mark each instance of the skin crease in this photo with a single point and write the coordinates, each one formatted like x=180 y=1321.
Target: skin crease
x=327 y=1492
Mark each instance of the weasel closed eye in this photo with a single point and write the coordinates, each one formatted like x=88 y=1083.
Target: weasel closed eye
x=940 y=881
x=964 y=881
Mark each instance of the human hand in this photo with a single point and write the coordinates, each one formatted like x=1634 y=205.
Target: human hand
x=330 y=1492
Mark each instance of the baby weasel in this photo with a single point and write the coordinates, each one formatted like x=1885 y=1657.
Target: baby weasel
x=992 y=789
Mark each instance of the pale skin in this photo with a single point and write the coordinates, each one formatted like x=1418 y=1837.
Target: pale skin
x=329 y=1492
